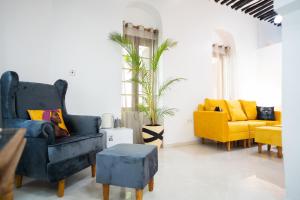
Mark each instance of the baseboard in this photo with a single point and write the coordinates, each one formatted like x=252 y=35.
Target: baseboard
x=181 y=144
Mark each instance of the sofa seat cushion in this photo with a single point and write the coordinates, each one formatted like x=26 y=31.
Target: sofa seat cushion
x=238 y=126
x=75 y=145
x=256 y=123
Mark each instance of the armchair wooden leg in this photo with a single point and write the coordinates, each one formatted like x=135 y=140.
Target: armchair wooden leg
x=139 y=194
x=105 y=191
x=269 y=147
x=93 y=169
x=259 y=147
x=228 y=145
x=18 y=181
x=151 y=184
x=61 y=188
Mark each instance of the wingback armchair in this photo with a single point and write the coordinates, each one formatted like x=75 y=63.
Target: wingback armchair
x=45 y=157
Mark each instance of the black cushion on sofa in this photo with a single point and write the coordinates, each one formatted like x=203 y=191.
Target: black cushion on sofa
x=265 y=113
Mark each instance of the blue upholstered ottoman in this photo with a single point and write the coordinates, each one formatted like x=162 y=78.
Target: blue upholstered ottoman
x=127 y=165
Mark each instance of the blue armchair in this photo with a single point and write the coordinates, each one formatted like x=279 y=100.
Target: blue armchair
x=45 y=157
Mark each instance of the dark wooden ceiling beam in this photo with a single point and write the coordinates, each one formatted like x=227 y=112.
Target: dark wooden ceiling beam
x=272 y=12
x=263 y=11
x=230 y=2
x=269 y=17
x=261 y=8
x=251 y=5
x=240 y=4
x=257 y=6
x=224 y=1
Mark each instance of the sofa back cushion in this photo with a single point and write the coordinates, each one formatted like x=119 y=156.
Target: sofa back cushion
x=249 y=108
x=236 y=111
x=36 y=96
x=211 y=104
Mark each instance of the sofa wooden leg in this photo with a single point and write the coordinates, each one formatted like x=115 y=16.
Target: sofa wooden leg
x=18 y=181
x=245 y=143
x=105 y=191
x=139 y=194
x=249 y=143
x=61 y=188
x=228 y=145
x=93 y=169
x=259 y=147
x=203 y=140
x=279 y=152
x=269 y=147
x=151 y=185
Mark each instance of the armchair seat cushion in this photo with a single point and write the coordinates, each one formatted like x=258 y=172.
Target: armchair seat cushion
x=75 y=145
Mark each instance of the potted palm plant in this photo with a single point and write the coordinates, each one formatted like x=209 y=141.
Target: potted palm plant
x=151 y=92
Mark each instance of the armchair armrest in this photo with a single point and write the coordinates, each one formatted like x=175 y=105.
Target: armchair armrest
x=211 y=125
x=83 y=124
x=34 y=129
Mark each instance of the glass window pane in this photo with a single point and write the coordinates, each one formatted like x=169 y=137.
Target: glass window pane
x=126 y=75
x=144 y=51
x=126 y=88
x=126 y=101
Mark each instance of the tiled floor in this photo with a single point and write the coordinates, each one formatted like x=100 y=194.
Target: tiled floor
x=191 y=172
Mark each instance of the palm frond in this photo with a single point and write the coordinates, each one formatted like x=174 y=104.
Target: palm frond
x=166 y=85
x=166 y=45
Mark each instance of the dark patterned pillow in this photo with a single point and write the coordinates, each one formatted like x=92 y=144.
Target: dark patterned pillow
x=265 y=113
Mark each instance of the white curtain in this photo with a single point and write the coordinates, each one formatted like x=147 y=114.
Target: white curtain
x=223 y=64
x=145 y=40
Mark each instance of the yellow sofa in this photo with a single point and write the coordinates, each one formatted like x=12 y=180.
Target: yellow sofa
x=219 y=127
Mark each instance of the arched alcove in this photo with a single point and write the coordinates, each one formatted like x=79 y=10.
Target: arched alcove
x=223 y=38
x=140 y=13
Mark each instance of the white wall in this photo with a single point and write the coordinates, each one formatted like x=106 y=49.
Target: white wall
x=44 y=39
x=291 y=94
x=268 y=80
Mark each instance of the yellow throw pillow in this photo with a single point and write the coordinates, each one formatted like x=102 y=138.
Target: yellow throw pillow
x=45 y=115
x=211 y=104
x=249 y=108
x=236 y=111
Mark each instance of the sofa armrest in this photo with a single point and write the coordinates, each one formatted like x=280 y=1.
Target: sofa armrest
x=211 y=125
x=34 y=129
x=83 y=124
x=278 y=116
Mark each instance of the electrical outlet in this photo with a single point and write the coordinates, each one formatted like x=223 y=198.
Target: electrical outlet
x=72 y=72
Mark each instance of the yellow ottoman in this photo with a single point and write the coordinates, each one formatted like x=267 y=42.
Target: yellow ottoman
x=270 y=135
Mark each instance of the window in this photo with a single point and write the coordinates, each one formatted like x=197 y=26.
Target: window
x=145 y=41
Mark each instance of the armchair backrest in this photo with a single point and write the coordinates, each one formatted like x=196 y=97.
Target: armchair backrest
x=18 y=97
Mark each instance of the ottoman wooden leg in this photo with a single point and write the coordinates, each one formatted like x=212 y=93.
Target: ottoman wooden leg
x=18 y=181
x=228 y=145
x=105 y=191
x=93 y=170
x=259 y=147
x=138 y=194
x=151 y=184
x=61 y=188
x=269 y=147
x=279 y=152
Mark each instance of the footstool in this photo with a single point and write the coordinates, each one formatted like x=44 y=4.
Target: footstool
x=127 y=165
x=270 y=135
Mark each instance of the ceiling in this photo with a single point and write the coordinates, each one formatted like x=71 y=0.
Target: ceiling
x=260 y=9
